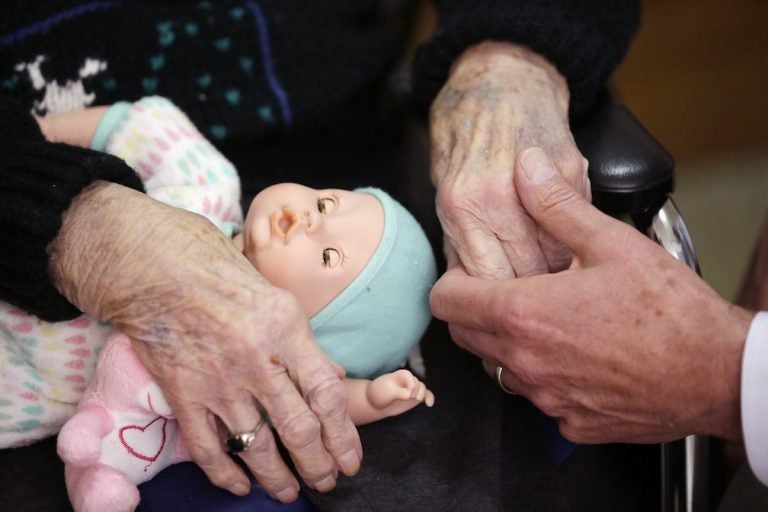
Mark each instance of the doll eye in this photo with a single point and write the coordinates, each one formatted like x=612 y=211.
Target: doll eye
x=331 y=258
x=325 y=205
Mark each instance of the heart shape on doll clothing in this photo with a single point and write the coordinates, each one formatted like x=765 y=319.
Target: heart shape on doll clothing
x=145 y=442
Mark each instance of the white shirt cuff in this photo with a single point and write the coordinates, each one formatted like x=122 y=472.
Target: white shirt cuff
x=754 y=396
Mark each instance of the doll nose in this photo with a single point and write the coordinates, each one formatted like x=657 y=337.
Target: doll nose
x=288 y=222
x=311 y=220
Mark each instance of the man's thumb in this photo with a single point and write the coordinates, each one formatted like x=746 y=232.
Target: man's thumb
x=554 y=204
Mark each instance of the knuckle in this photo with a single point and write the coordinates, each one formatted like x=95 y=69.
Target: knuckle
x=556 y=198
x=547 y=403
x=283 y=304
x=341 y=441
x=221 y=478
x=509 y=310
x=447 y=201
x=470 y=198
x=329 y=398
x=575 y=167
x=300 y=431
x=500 y=184
x=529 y=263
x=458 y=220
x=285 y=320
x=572 y=428
x=458 y=335
x=526 y=368
x=203 y=454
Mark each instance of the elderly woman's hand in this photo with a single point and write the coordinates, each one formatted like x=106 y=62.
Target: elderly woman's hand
x=221 y=341
x=499 y=100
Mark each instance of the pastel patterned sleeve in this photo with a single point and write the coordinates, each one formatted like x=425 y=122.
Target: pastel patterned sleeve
x=177 y=165
x=45 y=366
x=44 y=370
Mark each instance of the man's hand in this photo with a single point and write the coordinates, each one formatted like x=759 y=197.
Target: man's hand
x=626 y=345
x=224 y=345
x=499 y=99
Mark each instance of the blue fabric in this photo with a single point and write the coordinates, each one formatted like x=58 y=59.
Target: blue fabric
x=185 y=488
x=370 y=327
x=559 y=447
x=109 y=121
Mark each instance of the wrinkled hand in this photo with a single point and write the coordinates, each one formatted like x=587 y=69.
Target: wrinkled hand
x=398 y=385
x=499 y=100
x=626 y=345
x=214 y=333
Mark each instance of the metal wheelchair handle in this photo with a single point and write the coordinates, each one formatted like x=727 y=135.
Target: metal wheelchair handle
x=669 y=230
x=685 y=464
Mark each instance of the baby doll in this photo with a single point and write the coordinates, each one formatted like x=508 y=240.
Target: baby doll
x=357 y=261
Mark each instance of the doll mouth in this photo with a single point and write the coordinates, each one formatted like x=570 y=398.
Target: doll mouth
x=284 y=223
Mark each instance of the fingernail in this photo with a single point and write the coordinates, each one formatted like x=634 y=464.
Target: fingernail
x=240 y=489
x=349 y=463
x=287 y=495
x=326 y=484
x=536 y=165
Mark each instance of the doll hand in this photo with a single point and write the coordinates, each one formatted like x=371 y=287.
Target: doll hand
x=499 y=100
x=217 y=337
x=399 y=385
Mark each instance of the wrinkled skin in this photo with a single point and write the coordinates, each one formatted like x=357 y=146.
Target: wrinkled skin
x=220 y=340
x=499 y=99
x=626 y=345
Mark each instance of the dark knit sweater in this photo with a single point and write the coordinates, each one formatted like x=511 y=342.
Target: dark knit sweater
x=257 y=77
x=37 y=182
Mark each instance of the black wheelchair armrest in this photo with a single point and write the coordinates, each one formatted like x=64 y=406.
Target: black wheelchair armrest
x=631 y=173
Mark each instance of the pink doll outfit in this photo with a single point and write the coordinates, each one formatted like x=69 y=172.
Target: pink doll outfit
x=46 y=366
x=123 y=433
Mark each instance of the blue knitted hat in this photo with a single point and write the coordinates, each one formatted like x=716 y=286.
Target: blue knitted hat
x=370 y=327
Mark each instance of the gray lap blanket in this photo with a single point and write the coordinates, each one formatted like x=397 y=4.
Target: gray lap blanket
x=477 y=449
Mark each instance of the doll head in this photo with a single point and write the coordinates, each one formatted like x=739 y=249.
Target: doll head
x=358 y=262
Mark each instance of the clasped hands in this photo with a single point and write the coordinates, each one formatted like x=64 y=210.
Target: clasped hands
x=619 y=342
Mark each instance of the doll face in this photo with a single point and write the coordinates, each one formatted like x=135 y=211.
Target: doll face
x=311 y=242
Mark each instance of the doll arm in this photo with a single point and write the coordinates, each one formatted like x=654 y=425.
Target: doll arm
x=73 y=128
x=177 y=165
x=388 y=395
x=79 y=441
